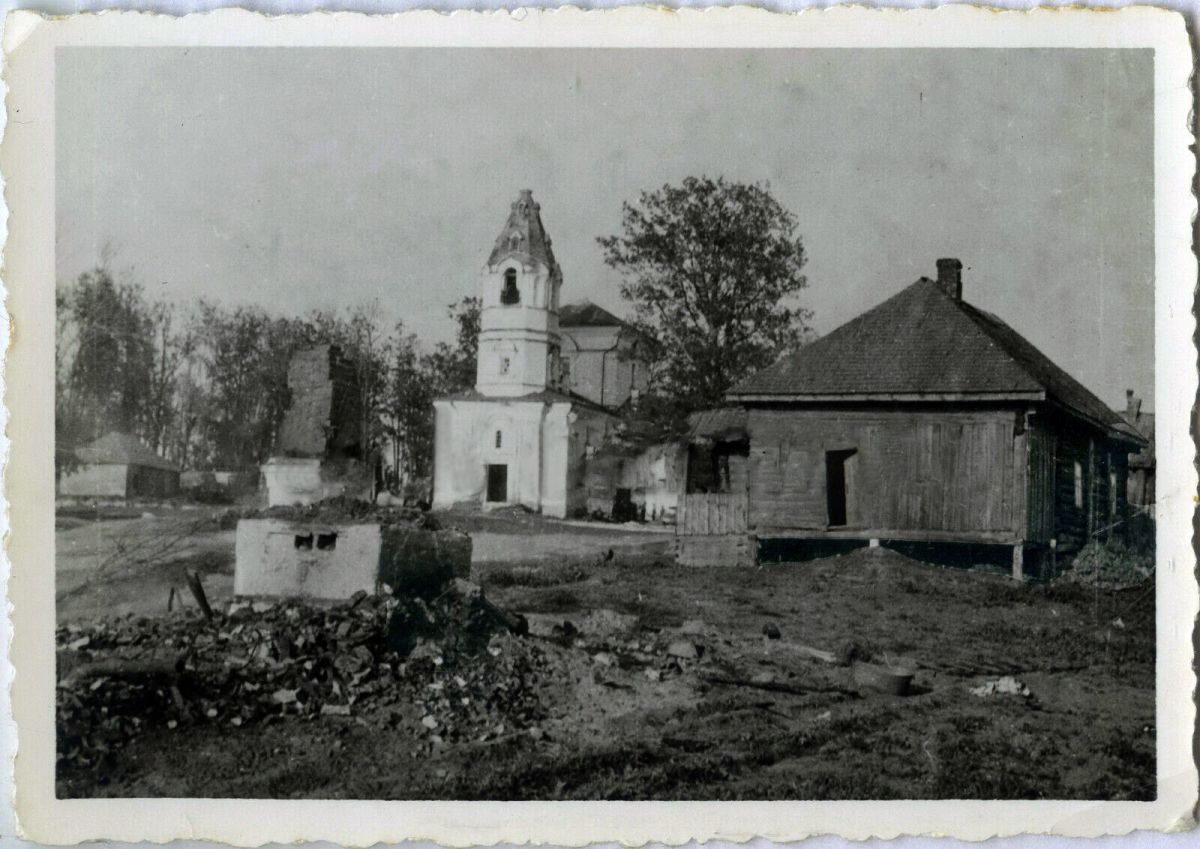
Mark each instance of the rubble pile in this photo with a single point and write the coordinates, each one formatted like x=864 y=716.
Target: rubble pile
x=344 y=509
x=451 y=665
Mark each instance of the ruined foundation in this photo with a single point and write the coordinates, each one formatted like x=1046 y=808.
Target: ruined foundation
x=280 y=558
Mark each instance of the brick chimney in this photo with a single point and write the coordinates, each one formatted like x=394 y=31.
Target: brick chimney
x=1133 y=404
x=950 y=277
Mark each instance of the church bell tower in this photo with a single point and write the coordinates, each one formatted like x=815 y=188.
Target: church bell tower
x=518 y=332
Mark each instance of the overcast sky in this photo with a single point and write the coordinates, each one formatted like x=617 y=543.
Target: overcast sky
x=310 y=177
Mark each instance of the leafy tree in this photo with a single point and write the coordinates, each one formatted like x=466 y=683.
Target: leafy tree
x=452 y=367
x=409 y=407
x=104 y=360
x=712 y=269
x=245 y=354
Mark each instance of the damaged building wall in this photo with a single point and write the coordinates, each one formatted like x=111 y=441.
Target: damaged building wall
x=323 y=418
x=650 y=479
x=319 y=450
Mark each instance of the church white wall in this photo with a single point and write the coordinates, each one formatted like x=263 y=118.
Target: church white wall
x=533 y=446
x=516 y=340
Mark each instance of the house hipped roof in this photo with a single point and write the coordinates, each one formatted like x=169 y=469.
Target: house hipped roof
x=122 y=449
x=925 y=343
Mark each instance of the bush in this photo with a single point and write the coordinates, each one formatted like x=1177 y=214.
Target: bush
x=1113 y=564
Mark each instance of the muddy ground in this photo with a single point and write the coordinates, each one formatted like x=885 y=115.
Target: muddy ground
x=626 y=711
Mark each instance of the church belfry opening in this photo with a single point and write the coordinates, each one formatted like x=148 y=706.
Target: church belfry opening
x=510 y=294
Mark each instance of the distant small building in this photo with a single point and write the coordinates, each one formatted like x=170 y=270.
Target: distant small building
x=1141 y=464
x=600 y=355
x=119 y=465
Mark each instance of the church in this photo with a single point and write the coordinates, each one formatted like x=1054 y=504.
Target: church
x=522 y=436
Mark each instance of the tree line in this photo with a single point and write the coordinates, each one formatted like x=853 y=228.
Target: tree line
x=205 y=385
x=711 y=269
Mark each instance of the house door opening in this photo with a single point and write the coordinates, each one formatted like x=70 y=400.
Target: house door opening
x=497 y=483
x=837 y=485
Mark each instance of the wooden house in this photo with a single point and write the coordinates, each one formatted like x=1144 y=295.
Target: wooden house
x=927 y=420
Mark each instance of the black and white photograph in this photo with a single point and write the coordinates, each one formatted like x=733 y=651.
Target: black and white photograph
x=594 y=423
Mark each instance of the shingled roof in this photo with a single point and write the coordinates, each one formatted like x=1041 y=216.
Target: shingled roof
x=523 y=235
x=122 y=449
x=925 y=343
x=587 y=314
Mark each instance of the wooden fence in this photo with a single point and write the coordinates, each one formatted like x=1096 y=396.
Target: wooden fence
x=707 y=514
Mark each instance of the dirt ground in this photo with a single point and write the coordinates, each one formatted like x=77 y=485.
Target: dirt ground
x=660 y=682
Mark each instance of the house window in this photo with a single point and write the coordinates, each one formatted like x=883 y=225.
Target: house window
x=499 y=439
x=1078 y=484
x=510 y=294
x=505 y=365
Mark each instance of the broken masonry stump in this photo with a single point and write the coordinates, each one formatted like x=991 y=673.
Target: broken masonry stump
x=285 y=558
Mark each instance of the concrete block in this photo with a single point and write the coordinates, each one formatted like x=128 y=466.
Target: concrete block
x=294 y=559
x=285 y=559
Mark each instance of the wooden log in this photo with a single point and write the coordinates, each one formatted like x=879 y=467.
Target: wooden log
x=161 y=669
x=193 y=579
x=776 y=686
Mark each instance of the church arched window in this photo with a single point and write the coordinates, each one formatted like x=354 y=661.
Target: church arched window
x=499 y=439
x=510 y=294
x=514 y=242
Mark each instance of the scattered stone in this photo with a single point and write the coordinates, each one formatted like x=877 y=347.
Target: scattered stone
x=429 y=722
x=292 y=661
x=1006 y=686
x=693 y=627
x=683 y=649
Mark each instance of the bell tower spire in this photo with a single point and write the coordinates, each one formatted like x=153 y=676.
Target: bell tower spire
x=518 y=329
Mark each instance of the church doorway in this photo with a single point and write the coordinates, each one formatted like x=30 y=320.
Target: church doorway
x=497 y=483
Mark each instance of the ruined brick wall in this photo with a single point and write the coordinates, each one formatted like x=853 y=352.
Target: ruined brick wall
x=323 y=420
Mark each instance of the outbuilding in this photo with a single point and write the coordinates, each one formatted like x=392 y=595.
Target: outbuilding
x=119 y=465
x=927 y=421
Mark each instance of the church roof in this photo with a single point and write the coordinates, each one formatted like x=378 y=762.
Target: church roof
x=587 y=314
x=523 y=235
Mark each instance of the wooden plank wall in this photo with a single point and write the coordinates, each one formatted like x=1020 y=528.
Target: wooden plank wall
x=948 y=472
x=1041 y=485
x=711 y=513
x=1101 y=514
